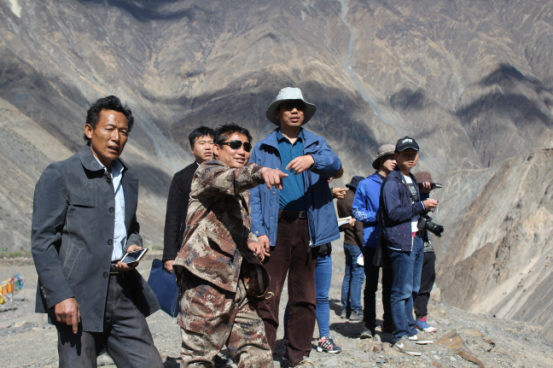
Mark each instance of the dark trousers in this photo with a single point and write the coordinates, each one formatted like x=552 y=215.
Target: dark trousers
x=291 y=256
x=126 y=335
x=428 y=277
x=372 y=274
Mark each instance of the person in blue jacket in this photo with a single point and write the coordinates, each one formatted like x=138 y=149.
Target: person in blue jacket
x=291 y=222
x=400 y=209
x=365 y=209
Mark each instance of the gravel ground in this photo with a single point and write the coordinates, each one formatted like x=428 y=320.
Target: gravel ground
x=495 y=342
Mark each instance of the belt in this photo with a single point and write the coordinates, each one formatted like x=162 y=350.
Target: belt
x=293 y=214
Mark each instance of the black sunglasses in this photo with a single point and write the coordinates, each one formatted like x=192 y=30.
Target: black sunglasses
x=289 y=105
x=237 y=144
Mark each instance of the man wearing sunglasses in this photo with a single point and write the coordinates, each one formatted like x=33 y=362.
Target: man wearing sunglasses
x=219 y=268
x=292 y=222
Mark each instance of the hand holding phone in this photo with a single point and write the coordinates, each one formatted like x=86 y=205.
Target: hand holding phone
x=136 y=253
x=134 y=256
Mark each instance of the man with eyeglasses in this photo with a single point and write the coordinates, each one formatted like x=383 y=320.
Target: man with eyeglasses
x=201 y=141
x=218 y=268
x=292 y=222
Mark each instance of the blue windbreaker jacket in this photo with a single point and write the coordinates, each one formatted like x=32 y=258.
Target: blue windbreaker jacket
x=323 y=227
x=365 y=208
x=397 y=212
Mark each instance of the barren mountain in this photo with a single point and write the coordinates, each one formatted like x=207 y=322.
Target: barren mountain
x=497 y=255
x=471 y=80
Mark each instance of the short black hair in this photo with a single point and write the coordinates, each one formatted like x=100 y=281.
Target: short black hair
x=224 y=131
x=200 y=132
x=107 y=103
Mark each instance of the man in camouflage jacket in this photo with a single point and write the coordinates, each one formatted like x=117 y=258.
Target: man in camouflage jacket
x=218 y=267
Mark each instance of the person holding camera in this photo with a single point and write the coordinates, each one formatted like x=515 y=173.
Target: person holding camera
x=428 y=274
x=400 y=209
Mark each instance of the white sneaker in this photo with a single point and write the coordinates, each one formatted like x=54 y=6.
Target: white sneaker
x=405 y=346
x=421 y=338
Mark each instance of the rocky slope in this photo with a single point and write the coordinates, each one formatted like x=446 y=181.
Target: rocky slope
x=495 y=256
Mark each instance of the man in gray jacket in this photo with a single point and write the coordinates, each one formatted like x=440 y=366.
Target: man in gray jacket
x=84 y=221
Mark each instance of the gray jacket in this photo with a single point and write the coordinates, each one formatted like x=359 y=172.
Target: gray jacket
x=72 y=237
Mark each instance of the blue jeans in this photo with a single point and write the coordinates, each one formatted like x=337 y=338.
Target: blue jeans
x=323 y=276
x=353 y=279
x=406 y=269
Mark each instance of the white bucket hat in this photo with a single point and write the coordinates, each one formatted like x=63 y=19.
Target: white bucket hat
x=287 y=94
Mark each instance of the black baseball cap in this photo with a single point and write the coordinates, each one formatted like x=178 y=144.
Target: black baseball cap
x=406 y=143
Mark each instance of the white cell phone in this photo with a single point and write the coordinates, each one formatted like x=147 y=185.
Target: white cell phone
x=134 y=257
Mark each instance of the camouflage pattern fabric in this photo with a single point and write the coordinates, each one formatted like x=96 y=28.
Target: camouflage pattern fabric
x=218 y=228
x=216 y=272
x=211 y=317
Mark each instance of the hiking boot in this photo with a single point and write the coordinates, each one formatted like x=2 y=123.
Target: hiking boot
x=344 y=314
x=422 y=338
x=424 y=326
x=328 y=345
x=356 y=316
x=367 y=334
x=284 y=349
x=405 y=346
x=305 y=363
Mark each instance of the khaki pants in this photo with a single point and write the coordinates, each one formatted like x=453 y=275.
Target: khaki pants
x=211 y=317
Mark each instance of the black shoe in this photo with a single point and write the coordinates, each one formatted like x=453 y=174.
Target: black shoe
x=367 y=334
x=356 y=316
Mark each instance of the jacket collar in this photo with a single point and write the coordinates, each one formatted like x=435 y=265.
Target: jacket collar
x=396 y=173
x=308 y=138
x=91 y=163
x=376 y=178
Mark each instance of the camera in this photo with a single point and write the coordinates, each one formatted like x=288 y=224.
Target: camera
x=425 y=223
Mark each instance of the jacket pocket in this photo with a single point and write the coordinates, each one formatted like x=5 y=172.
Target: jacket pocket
x=80 y=200
x=225 y=245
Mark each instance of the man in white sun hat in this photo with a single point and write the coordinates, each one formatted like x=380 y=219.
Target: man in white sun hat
x=294 y=221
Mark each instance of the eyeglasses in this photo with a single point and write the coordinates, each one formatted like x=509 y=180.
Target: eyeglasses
x=237 y=144
x=290 y=105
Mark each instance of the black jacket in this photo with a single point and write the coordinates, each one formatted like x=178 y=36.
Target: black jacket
x=72 y=237
x=177 y=208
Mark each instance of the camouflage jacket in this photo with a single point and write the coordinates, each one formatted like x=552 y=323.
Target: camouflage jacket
x=218 y=229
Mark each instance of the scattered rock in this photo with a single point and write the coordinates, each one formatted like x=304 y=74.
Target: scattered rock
x=426 y=357
x=472 y=332
x=489 y=341
x=386 y=348
x=437 y=365
x=455 y=343
x=406 y=365
x=376 y=348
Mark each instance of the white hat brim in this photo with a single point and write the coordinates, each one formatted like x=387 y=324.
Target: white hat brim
x=310 y=110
